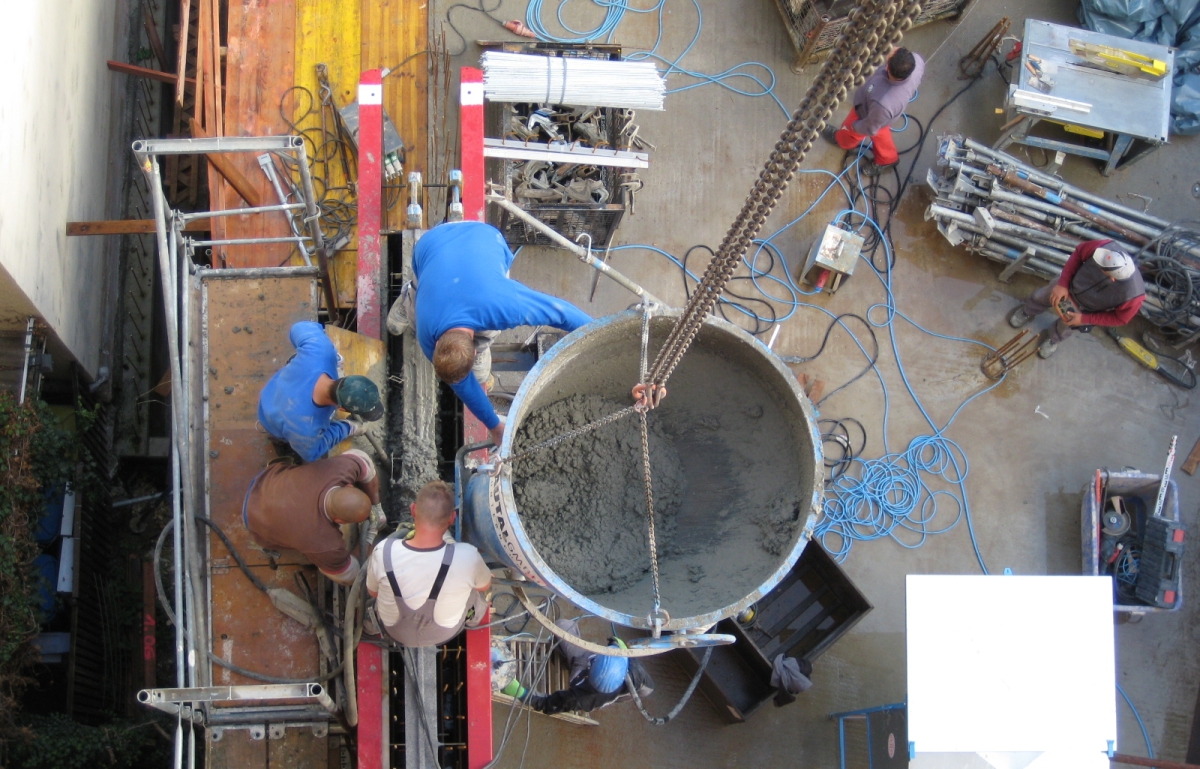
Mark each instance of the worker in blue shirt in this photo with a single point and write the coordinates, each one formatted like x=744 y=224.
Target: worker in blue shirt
x=299 y=402
x=463 y=300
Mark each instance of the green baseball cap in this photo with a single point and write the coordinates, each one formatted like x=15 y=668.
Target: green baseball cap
x=360 y=396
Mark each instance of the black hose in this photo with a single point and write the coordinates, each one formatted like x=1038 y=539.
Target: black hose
x=258 y=583
x=241 y=671
x=687 y=695
x=158 y=583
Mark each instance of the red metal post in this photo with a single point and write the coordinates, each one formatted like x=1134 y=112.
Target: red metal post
x=370 y=299
x=479 y=642
x=372 y=731
x=470 y=99
x=149 y=639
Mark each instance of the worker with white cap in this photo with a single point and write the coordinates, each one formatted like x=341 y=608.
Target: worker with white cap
x=1099 y=286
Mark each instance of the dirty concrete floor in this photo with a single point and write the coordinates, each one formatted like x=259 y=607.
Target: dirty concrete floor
x=1032 y=442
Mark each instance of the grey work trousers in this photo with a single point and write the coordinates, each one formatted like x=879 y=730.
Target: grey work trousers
x=579 y=659
x=1039 y=302
x=402 y=315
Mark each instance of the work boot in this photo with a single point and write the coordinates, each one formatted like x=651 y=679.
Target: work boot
x=1047 y=348
x=1018 y=318
x=871 y=168
x=828 y=133
x=399 y=317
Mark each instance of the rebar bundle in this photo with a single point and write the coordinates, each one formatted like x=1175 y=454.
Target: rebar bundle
x=574 y=81
x=995 y=205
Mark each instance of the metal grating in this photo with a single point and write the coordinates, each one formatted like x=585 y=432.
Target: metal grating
x=814 y=25
x=138 y=314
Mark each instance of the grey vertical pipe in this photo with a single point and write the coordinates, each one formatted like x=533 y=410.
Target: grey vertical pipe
x=312 y=216
x=199 y=607
x=584 y=254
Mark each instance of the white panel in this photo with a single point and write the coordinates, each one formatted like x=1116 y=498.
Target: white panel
x=1008 y=663
x=68 y=516
x=66 y=566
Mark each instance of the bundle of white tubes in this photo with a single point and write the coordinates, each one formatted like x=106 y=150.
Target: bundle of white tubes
x=994 y=205
x=573 y=81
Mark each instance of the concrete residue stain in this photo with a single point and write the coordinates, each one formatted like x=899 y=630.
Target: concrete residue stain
x=583 y=502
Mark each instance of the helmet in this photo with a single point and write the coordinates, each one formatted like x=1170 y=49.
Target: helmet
x=360 y=396
x=607 y=674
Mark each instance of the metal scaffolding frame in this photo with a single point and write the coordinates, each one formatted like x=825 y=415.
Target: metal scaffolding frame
x=193 y=694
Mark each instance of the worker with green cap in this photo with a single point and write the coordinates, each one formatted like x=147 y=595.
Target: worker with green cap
x=299 y=402
x=596 y=680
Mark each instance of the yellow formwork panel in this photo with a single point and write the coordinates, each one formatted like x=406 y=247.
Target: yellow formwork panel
x=395 y=34
x=329 y=32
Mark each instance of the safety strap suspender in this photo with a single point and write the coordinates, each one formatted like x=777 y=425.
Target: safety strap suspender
x=447 y=559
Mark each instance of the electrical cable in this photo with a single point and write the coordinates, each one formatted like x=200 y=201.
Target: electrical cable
x=891 y=495
x=1141 y=725
x=687 y=694
x=429 y=731
x=614 y=12
x=517 y=707
x=478 y=8
x=237 y=557
x=241 y=671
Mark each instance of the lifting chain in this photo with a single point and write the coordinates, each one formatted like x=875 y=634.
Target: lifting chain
x=552 y=442
x=657 y=614
x=873 y=28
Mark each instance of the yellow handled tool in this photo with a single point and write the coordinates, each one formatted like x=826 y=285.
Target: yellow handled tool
x=1176 y=373
x=1119 y=60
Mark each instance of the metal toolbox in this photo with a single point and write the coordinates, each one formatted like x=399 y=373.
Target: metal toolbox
x=1131 y=484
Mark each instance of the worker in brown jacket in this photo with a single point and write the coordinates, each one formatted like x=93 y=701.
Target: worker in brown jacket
x=301 y=507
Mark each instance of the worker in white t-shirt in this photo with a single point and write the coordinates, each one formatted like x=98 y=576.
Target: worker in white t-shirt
x=442 y=582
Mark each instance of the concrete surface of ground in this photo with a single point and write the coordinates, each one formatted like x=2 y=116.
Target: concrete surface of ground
x=1032 y=442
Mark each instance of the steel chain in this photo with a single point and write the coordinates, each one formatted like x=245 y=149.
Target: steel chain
x=655 y=616
x=873 y=28
x=552 y=442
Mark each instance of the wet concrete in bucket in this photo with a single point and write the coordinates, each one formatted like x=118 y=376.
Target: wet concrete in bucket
x=727 y=490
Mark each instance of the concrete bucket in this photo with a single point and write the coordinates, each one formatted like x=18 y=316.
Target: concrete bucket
x=736 y=462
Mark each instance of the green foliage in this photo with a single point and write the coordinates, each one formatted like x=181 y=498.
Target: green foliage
x=57 y=742
x=35 y=454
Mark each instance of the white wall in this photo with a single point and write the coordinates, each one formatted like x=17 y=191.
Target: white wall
x=59 y=116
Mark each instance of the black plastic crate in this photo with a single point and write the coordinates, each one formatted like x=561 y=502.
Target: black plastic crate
x=806 y=613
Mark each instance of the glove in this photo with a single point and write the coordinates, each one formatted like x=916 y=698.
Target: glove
x=514 y=689
x=375 y=523
x=356 y=427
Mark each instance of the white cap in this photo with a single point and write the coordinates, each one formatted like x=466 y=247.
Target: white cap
x=1116 y=263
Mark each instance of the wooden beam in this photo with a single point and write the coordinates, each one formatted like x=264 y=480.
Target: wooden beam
x=1121 y=758
x=152 y=33
x=153 y=74
x=229 y=171
x=185 y=15
x=129 y=227
x=1193 y=459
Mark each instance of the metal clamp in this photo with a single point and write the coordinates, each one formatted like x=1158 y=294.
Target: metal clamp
x=413 y=214
x=638 y=647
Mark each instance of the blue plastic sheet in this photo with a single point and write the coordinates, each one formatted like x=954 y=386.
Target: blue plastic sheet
x=1165 y=22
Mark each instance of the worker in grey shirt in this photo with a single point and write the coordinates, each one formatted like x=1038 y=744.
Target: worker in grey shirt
x=877 y=102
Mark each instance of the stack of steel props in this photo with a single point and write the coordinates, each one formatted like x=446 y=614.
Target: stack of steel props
x=997 y=206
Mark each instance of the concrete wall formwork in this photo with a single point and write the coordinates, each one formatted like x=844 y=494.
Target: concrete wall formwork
x=60 y=111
